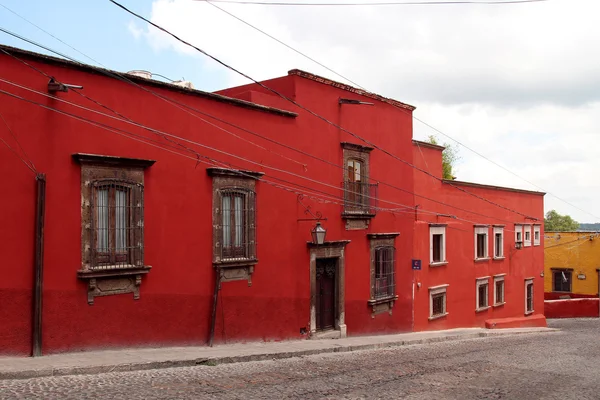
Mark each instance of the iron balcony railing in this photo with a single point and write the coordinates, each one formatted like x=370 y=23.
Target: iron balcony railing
x=360 y=197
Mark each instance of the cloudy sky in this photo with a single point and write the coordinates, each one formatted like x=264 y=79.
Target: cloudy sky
x=518 y=83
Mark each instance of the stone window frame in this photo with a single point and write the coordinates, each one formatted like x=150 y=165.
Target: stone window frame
x=223 y=179
x=498 y=230
x=437 y=229
x=537 y=229
x=518 y=229
x=483 y=281
x=499 y=278
x=528 y=283
x=436 y=290
x=482 y=230
x=118 y=279
x=378 y=241
x=352 y=151
x=562 y=270
x=527 y=229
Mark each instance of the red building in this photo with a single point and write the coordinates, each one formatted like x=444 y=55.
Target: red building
x=160 y=199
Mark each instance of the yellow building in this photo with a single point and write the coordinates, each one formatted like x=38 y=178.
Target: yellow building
x=572 y=264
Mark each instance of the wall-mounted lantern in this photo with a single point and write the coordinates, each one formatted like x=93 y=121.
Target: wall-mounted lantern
x=318 y=234
x=518 y=245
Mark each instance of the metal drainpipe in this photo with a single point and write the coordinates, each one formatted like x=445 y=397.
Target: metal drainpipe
x=214 y=310
x=39 y=265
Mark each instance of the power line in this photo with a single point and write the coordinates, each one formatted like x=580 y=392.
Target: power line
x=177 y=104
x=211 y=2
x=312 y=112
x=393 y=3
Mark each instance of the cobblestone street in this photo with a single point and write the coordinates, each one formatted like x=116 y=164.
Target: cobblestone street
x=561 y=365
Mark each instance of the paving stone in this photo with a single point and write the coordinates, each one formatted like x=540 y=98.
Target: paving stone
x=563 y=365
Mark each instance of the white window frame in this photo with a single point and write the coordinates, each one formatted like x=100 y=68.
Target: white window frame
x=529 y=281
x=537 y=229
x=518 y=229
x=437 y=290
x=526 y=230
x=486 y=231
x=483 y=281
x=437 y=230
x=499 y=278
x=500 y=230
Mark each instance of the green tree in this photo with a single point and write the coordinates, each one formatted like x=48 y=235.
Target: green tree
x=554 y=222
x=449 y=158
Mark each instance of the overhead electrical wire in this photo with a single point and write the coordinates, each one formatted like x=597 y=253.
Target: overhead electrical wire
x=211 y=2
x=336 y=165
x=25 y=159
x=391 y=3
x=261 y=84
x=122 y=77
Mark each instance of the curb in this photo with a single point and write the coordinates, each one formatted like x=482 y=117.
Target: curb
x=142 y=366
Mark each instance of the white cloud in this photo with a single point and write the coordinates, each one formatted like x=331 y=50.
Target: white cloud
x=519 y=83
x=135 y=31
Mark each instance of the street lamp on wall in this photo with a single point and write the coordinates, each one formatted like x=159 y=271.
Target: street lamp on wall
x=518 y=245
x=318 y=234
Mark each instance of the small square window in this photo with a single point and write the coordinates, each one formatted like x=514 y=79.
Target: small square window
x=437 y=237
x=482 y=294
x=528 y=296
x=437 y=302
x=498 y=290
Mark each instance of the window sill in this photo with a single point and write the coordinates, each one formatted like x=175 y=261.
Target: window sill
x=499 y=258
x=499 y=304
x=438 y=263
x=480 y=309
x=438 y=316
x=482 y=259
x=358 y=215
x=373 y=302
x=529 y=312
x=235 y=262
x=113 y=271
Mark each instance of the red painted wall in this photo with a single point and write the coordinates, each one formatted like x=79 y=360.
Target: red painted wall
x=572 y=308
x=176 y=296
x=462 y=270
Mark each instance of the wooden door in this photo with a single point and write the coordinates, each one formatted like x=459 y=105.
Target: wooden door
x=326 y=279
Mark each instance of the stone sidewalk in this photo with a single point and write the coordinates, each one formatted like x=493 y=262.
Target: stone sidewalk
x=95 y=362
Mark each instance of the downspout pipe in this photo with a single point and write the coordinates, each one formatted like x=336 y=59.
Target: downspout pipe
x=40 y=214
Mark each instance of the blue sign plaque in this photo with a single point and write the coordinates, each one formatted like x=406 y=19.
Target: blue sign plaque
x=416 y=264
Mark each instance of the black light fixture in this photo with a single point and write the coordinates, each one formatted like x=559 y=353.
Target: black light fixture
x=318 y=234
x=518 y=245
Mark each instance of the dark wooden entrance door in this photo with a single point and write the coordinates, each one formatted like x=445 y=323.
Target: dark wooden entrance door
x=326 y=276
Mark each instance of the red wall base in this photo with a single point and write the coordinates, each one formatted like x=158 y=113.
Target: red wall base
x=532 y=321
x=572 y=308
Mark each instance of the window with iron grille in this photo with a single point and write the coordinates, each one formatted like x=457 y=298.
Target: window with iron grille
x=437 y=301
x=384 y=273
x=112 y=224
x=234 y=222
x=561 y=280
x=360 y=196
x=526 y=235
x=498 y=290
x=237 y=224
x=519 y=234
x=481 y=242
x=482 y=293
x=117 y=224
x=528 y=296
x=536 y=235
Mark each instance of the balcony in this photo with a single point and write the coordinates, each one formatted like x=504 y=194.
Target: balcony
x=360 y=200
